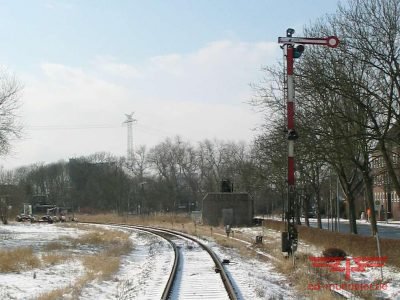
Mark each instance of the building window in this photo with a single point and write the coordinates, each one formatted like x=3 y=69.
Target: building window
x=395 y=158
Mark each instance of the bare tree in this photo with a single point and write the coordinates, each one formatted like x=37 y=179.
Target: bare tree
x=372 y=32
x=352 y=92
x=9 y=194
x=10 y=128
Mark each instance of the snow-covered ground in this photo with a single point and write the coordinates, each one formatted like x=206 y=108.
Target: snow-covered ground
x=142 y=275
x=390 y=274
x=145 y=270
x=252 y=278
x=27 y=284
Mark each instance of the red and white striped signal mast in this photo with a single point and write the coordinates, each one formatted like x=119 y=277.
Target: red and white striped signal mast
x=291 y=51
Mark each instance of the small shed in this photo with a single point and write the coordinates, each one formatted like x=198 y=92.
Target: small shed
x=235 y=209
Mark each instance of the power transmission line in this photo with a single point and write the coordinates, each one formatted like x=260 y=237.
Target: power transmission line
x=70 y=127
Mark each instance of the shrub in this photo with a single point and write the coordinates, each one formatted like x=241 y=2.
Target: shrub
x=334 y=252
x=18 y=259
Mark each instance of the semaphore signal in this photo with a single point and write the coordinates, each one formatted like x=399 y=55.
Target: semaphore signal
x=292 y=52
x=330 y=41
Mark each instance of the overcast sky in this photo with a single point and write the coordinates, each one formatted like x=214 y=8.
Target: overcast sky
x=182 y=66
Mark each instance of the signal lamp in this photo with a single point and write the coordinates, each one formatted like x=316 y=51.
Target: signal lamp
x=298 y=51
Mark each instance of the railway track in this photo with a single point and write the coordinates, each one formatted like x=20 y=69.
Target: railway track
x=197 y=272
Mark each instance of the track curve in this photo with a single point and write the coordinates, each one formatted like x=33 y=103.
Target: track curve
x=192 y=276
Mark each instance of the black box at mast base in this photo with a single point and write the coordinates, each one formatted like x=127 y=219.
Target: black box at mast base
x=285 y=242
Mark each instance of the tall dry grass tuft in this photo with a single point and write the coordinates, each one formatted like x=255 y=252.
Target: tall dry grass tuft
x=55 y=258
x=101 y=266
x=54 y=294
x=53 y=246
x=114 y=243
x=101 y=237
x=18 y=259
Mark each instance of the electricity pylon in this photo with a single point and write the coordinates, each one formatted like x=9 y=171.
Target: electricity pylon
x=129 y=121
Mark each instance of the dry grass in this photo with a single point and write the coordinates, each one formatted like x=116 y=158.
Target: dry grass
x=162 y=219
x=53 y=259
x=18 y=259
x=110 y=245
x=103 y=265
x=114 y=243
x=69 y=292
x=53 y=246
x=103 y=237
x=115 y=240
x=299 y=276
x=184 y=224
x=302 y=274
x=54 y=294
x=353 y=244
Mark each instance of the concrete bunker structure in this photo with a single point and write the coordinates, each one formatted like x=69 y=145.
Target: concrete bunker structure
x=235 y=209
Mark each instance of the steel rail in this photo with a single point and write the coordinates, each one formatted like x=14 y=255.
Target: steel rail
x=168 y=287
x=219 y=267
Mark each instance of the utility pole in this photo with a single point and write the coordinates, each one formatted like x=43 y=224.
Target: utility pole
x=129 y=121
x=337 y=204
x=291 y=51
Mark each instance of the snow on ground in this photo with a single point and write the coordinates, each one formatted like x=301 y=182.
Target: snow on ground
x=23 y=285
x=255 y=279
x=194 y=265
x=34 y=235
x=391 y=275
x=388 y=223
x=28 y=284
x=143 y=274
x=145 y=270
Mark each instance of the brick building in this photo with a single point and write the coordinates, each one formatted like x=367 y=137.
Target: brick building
x=385 y=197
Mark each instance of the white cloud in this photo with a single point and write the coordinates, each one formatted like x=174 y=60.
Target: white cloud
x=111 y=66
x=197 y=95
x=172 y=64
